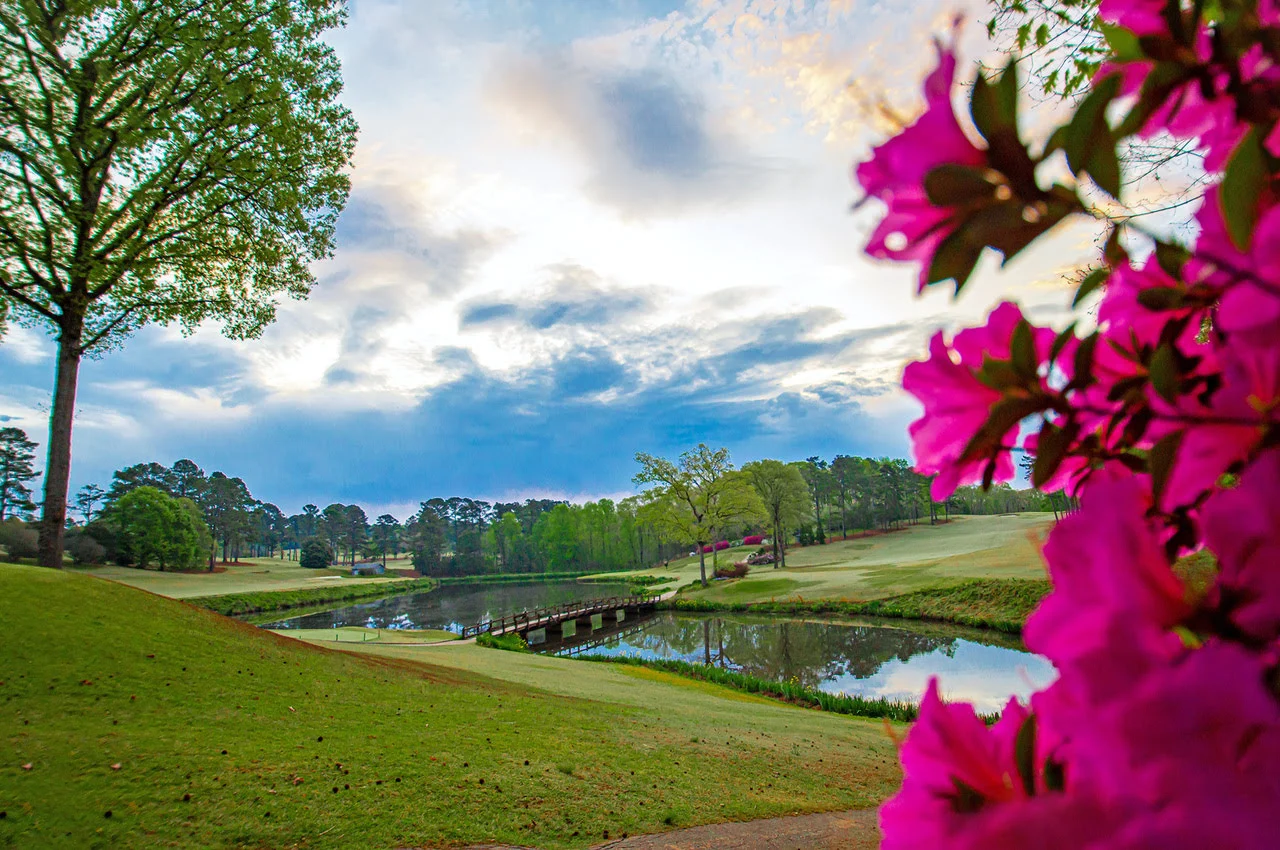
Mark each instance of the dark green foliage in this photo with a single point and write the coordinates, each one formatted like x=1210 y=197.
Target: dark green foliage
x=84 y=549
x=17 y=539
x=316 y=554
x=509 y=642
x=281 y=600
x=17 y=456
x=153 y=527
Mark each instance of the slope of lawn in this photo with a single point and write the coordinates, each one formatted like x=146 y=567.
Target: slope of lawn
x=988 y=547
x=918 y=556
x=248 y=576
x=146 y=721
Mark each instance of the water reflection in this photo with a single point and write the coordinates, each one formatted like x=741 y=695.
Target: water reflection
x=868 y=660
x=452 y=607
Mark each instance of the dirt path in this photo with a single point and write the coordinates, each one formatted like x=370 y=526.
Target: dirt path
x=851 y=830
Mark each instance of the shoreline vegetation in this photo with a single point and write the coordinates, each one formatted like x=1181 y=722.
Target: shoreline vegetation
x=264 y=601
x=999 y=604
x=792 y=693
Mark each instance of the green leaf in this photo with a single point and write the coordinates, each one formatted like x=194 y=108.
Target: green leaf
x=1023 y=350
x=1007 y=94
x=999 y=374
x=1051 y=448
x=1242 y=186
x=1060 y=342
x=1082 y=374
x=1090 y=143
x=1114 y=252
x=1161 y=298
x=952 y=185
x=954 y=260
x=1004 y=417
x=994 y=106
x=1123 y=44
x=1091 y=282
x=1171 y=258
x=1103 y=165
x=1089 y=123
x=1024 y=754
x=1164 y=372
x=1160 y=461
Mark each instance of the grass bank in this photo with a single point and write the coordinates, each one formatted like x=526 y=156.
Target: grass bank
x=247 y=576
x=1001 y=604
x=791 y=692
x=257 y=602
x=129 y=720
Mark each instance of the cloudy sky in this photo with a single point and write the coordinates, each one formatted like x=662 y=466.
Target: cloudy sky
x=577 y=230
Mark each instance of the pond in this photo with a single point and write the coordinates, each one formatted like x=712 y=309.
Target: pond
x=452 y=606
x=892 y=659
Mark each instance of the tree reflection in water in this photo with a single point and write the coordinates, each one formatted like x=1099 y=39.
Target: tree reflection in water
x=831 y=656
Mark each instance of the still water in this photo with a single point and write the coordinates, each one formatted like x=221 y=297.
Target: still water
x=870 y=659
x=452 y=607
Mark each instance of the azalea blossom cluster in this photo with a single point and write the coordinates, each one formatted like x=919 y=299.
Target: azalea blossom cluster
x=1163 y=727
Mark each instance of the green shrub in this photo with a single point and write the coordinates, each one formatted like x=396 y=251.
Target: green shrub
x=316 y=554
x=510 y=642
x=19 y=540
x=83 y=549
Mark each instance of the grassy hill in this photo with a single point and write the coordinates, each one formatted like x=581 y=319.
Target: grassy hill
x=252 y=575
x=148 y=722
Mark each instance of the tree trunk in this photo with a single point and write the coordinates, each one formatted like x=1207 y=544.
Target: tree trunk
x=58 y=463
x=702 y=564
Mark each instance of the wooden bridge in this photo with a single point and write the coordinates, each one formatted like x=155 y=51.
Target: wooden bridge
x=540 y=618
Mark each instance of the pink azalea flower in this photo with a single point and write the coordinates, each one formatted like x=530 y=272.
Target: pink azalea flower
x=1190 y=110
x=1249 y=311
x=952 y=765
x=956 y=403
x=1141 y=17
x=1242 y=528
x=913 y=228
x=1191 y=742
x=1223 y=431
x=1105 y=558
x=1126 y=321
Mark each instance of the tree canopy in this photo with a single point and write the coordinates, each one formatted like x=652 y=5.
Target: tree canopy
x=161 y=161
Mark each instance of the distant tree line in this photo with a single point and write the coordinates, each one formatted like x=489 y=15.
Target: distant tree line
x=179 y=517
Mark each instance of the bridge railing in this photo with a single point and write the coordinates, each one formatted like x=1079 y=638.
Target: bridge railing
x=537 y=617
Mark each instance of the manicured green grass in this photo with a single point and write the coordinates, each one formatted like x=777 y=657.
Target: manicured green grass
x=281 y=600
x=225 y=735
x=920 y=556
x=253 y=575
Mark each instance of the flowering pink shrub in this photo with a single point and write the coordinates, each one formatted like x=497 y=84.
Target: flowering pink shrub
x=1163 y=727
x=708 y=549
x=722 y=545
x=752 y=540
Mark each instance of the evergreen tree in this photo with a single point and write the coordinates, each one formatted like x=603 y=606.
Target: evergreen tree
x=17 y=456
